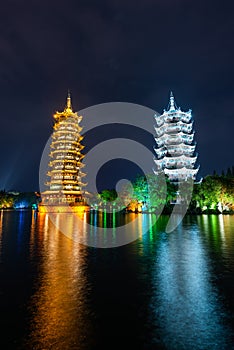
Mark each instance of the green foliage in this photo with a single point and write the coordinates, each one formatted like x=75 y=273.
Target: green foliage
x=108 y=195
x=154 y=191
x=140 y=189
x=227 y=193
x=214 y=193
x=6 y=200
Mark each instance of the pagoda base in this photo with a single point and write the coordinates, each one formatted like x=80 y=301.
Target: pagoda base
x=46 y=208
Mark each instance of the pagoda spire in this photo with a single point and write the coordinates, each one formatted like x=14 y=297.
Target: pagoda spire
x=172 y=102
x=69 y=105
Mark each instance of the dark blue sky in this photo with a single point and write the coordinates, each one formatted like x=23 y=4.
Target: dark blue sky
x=106 y=51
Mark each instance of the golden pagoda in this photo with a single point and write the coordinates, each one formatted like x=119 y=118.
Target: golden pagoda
x=65 y=167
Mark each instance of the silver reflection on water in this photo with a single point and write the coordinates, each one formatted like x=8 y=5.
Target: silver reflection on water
x=185 y=304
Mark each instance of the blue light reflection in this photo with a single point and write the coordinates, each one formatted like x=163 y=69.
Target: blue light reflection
x=185 y=302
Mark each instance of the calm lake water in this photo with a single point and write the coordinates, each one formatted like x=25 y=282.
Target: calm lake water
x=162 y=291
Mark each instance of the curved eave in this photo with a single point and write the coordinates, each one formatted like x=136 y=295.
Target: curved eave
x=64 y=161
x=80 y=174
x=183 y=146
x=66 y=151
x=168 y=125
x=65 y=122
x=181 y=170
x=65 y=141
x=181 y=157
x=176 y=134
x=74 y=192
x=67 y=113
x=66 y=131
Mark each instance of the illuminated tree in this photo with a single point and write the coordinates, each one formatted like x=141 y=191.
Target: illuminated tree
x=153 y=191
x=108 y=195
x=6 y=200
x=215 y=193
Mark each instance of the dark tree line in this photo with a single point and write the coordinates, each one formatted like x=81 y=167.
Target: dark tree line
x=229 y=173
x=18 y=200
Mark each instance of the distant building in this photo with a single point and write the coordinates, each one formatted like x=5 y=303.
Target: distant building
x=65 y=168
x=175 y=143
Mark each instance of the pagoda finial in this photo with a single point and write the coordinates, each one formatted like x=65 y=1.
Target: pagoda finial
x=172 y=102
x=69 y=106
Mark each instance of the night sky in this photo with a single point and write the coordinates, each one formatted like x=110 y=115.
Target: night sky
x=105 y=51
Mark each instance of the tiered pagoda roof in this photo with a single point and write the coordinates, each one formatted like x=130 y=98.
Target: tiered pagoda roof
x=65 y=167
x=175 y=143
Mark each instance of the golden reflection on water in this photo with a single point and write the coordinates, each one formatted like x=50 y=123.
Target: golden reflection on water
x=1 y=220
x=61 y=315
x=104 y=232
x=59 y=306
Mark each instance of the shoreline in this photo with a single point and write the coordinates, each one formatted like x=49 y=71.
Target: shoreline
x=118 y=212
